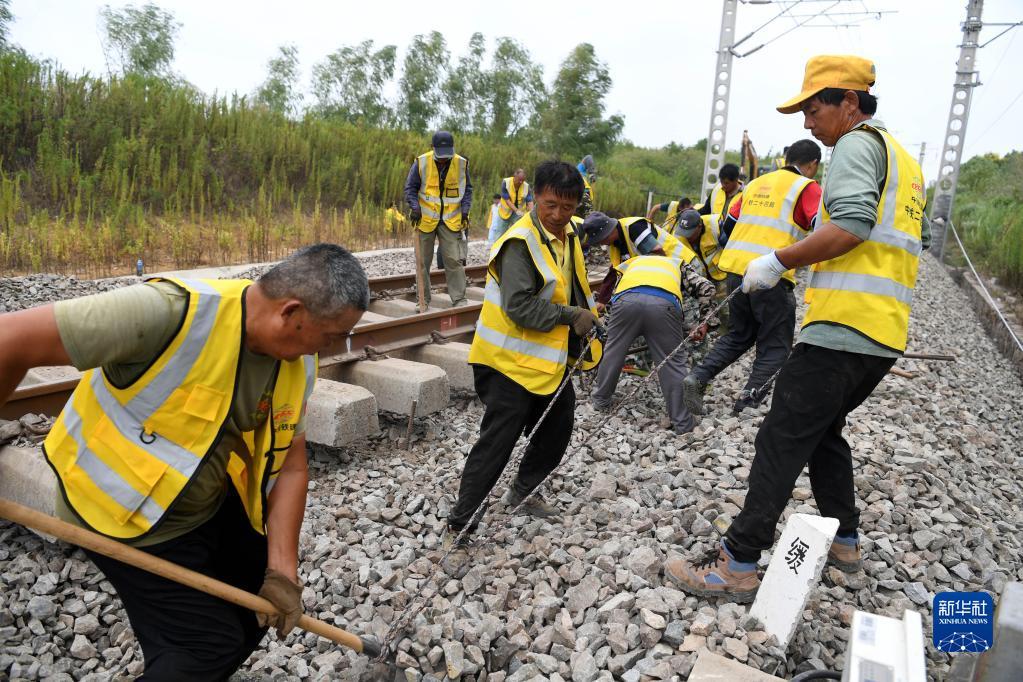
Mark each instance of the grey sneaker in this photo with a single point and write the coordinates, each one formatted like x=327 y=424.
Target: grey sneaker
x=535 y=506
x=457 y=563
x=460 y=303
x=692 y=393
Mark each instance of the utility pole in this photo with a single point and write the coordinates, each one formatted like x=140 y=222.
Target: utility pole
x=715 y=156
x=920 y=159
x=967 y=78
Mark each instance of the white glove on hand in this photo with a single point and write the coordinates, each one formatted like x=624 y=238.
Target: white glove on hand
x=762 y=273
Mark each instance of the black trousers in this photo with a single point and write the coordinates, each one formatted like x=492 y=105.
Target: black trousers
x=765 y=318
x=510 y=411
x=815 y=391
x=186 y=634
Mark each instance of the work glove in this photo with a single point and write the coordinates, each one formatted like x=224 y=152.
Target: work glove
x=280 y=591
x=762 y=273
x=583 y=322
x=415 y=218
x=465 y=221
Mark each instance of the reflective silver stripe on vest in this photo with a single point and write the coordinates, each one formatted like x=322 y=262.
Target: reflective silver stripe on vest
x=156 y=393
x=105 y=478
x=537 y=251
x=748 y=246
x=676 y=257
x=784 y=223
x=859 y=283
x=521 y=346
x=884 y=232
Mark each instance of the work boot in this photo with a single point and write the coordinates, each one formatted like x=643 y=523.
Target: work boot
x=845 y=554
x=717 y=574
x=692 y=393
x=535 y=506
x=460 y=303
x=456 y=563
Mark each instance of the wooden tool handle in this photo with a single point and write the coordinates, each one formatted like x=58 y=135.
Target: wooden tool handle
x=67 y=532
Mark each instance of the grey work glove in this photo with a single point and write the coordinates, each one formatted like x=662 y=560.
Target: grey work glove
x=280 y=591
x=583 y=321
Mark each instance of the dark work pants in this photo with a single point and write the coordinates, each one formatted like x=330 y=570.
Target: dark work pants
x=765 y=318
x=510 y=411
x=815 y=391
x=186 y=634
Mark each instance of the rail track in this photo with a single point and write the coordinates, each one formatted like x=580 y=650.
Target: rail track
x=366 y=340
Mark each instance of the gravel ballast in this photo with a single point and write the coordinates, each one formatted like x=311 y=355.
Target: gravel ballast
x=585 y=598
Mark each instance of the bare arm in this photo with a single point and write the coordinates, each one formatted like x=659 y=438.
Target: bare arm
x=28 y=338
x=826 y=242
x=286 y=509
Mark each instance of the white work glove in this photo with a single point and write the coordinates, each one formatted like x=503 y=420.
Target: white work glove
x=762 y=273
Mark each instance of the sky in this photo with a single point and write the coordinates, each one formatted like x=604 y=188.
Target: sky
x=661 y=55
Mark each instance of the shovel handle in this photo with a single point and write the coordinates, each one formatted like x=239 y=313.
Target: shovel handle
x=75 y=535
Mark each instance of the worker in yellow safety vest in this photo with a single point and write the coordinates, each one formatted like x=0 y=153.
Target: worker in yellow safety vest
x=776 y=211
x=672 y=210
x=516 y=200
x=537 y=310
x=702 y=234
x=588 y=170
x=185 y=437
x=864 y=252
x=439 y=195
x=726 y=192
x=647 y=302
x=627 y=238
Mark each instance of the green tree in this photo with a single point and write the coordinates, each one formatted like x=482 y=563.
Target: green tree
x=350 y=82
x=421 y=102
x=572 y=123
x=6 y=18
x=466 y=90
x=515 y=89
x=139 y=40
x=279 y=92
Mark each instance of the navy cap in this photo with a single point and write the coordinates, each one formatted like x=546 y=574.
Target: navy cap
x=443 y=144
x=597 y=227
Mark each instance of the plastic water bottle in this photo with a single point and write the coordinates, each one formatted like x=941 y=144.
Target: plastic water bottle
x=138 y=267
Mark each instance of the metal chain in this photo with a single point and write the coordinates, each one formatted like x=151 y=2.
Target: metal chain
x=757 y=394
x=413 y=608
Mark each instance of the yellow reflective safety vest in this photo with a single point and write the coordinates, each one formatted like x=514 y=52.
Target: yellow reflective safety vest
x=674 y=248
x=441 y=203
x=766 y=222
x=123 y=455
x=518 y=197
x=870 y=288
x=710 y=248
x=589 y=188
x=534 y=359
x=650 y=271
x=717 y=200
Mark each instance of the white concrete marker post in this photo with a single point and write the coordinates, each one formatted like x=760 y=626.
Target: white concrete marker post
x=795 y=568
x=885 y=649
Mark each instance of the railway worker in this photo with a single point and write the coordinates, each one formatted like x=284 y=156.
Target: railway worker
x=775 y=211
x=537 y=309
x=648 y=302
x=185 y=438
x=439 y=195
x=702 y=234
x=516 y=201
x=727 y=190
x=672 y=209
x=588 y=170
x=627 y=238
x=864 y=251
x=491 y=215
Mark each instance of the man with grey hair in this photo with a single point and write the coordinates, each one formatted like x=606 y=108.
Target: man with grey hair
x=186 y=438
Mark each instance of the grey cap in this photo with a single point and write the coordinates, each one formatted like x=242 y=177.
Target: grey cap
x=443 y=144
x=689 y=222
x=597 y=227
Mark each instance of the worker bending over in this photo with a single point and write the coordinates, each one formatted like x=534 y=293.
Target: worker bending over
x=865 y=251
x=647 y=302
x=536 y=311
x=775 y=211
x=186 y=438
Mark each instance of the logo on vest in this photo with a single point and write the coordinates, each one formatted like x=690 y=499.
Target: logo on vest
x=283 y=416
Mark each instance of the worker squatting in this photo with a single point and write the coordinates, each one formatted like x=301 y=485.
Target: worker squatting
x=186 y=435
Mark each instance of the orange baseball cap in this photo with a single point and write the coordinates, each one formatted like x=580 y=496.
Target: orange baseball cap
x=845 y=71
